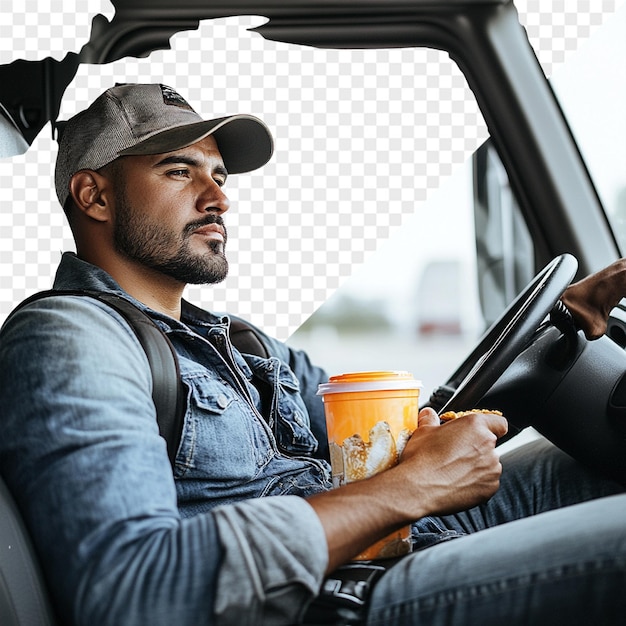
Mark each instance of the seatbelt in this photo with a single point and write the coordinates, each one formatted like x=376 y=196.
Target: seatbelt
x=167 y=388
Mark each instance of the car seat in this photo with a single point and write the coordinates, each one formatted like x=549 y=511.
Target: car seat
x=23 y=596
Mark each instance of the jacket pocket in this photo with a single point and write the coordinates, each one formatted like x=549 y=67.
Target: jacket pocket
x=234 y=446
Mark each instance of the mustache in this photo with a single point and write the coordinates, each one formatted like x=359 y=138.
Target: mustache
x=205 y=221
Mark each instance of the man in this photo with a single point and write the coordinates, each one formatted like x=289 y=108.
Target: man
x=247 y=527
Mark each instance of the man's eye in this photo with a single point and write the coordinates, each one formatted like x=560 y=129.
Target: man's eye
x=220 y=182
x=182 y=172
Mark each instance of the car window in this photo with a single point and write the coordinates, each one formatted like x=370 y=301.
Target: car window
x=437 y=317
x=367 y=202
x=362 y=139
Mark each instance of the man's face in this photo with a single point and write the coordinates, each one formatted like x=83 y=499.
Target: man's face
x=168 y=212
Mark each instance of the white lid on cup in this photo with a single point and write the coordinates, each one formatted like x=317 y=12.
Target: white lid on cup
x=369 y=381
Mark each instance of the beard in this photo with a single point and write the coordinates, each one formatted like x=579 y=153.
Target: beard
x=157 y=247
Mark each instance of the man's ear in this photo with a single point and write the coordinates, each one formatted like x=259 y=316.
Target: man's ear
x=91 y=194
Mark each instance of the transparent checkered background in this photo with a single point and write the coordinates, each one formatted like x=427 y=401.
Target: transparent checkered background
x=362 y=139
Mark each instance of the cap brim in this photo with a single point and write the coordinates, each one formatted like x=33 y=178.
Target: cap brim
x=244 y=141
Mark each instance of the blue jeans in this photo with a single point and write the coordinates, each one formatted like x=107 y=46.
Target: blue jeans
x=548 y=548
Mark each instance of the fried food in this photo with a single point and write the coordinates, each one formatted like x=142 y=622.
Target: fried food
x=448 y=416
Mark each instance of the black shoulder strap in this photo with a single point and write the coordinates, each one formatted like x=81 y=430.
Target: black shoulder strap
x=167 y=389
x=245 y=339
x=166 y=383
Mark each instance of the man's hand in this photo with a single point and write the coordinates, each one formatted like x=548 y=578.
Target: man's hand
x=591 y=299
x=443 y=469
x=454 y=466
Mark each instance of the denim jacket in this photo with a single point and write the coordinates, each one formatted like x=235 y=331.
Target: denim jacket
x=224 y=539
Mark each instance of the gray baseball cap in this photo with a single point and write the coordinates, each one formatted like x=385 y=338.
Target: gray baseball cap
x=136 y=119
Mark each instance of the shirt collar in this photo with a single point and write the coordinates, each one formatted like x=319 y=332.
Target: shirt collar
x=74 y=273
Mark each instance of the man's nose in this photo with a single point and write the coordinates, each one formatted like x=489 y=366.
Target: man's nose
x=213 y=199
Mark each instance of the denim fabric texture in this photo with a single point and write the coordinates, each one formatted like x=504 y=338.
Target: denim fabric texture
x=548 y=548
x=121 y=541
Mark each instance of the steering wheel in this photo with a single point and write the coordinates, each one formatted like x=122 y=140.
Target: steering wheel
x=509 y=334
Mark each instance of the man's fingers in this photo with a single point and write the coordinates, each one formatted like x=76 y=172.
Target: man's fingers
x=493 y=420
x=497 y=424
x=427 y=417
x=591 y=299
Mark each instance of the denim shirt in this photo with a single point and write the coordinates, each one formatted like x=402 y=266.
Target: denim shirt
x=227 y=537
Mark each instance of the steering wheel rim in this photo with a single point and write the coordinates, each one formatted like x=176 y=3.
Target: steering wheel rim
x=509 y=334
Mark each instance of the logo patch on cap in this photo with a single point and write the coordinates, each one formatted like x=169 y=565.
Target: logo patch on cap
x=173 y=98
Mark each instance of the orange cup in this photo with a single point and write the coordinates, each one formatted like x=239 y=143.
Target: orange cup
x=369 y=418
